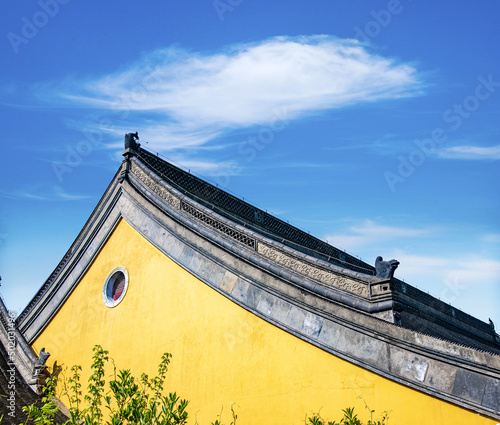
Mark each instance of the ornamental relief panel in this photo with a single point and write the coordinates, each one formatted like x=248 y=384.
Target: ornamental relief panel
x=269 y=252
x=313 y=272
x=155 y=186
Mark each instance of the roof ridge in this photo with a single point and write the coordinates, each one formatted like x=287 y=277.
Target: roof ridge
x=250 y=216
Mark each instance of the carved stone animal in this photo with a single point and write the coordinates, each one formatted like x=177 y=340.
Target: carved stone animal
x=385 y=269
x=131 y=141
x=42 y=358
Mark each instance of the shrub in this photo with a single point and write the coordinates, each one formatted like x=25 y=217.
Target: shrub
x=128 y=401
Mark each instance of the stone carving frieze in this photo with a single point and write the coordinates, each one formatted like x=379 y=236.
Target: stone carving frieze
x=273 y=254
x=313 y=272
x=155 y=186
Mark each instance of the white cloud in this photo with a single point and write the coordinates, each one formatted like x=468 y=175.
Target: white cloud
x=41 y=192
x=470 y=152
x=467 y=268
x=201 y=166
x=165 y=137
x=370 y=228
x=463 y=280
x=474 y=270
x=420 y=265
x=491 y=238
x=347 y=242
x=194 y=97
x=369 y=232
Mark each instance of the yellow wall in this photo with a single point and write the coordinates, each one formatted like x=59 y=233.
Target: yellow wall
x=221 y=353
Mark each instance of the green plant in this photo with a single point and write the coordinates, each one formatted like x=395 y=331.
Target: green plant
x=45 y=414
x=349 y=418
x=218 y=421
x=75 y=398
x=95 y=388
x=128 y=400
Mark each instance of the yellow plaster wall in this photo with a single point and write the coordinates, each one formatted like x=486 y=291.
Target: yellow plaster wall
x=221 y=353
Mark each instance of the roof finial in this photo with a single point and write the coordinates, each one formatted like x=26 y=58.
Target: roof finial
x=385 y=269
x=130 y=141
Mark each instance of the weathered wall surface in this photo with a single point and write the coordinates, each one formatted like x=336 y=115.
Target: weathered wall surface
x=222 y=354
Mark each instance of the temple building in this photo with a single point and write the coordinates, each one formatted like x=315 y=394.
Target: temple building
x=257 y=314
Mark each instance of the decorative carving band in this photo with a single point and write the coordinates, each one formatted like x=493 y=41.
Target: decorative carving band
x=314 y=272
x=155 y=186
x=217 y=225
x=191 y=210
x=273 y=254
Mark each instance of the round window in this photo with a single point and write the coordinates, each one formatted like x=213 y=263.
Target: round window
x=115 y=286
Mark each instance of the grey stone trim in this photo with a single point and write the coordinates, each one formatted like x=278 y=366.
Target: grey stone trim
x=13 y=341
x=470 y=385
x=323 y=275
x=48 y=286
x=491 y=394
x=53 y=297
x=436 y=314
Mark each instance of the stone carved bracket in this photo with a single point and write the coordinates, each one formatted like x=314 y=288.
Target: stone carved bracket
x=313 y=272
x=378 y=289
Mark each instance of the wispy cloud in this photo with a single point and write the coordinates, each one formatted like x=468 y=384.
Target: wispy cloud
x=191 y=98
x=421 y=265
x=491 y=238
x=200 y=166
x=166 y=137
x=368 y=232
x=453 y=278
x=474 y=269
x=469 y=269
x=42 y=193
x=470 y=152
x=460 y=279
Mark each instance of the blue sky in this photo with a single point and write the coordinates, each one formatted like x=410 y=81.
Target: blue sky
x=371 y=124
